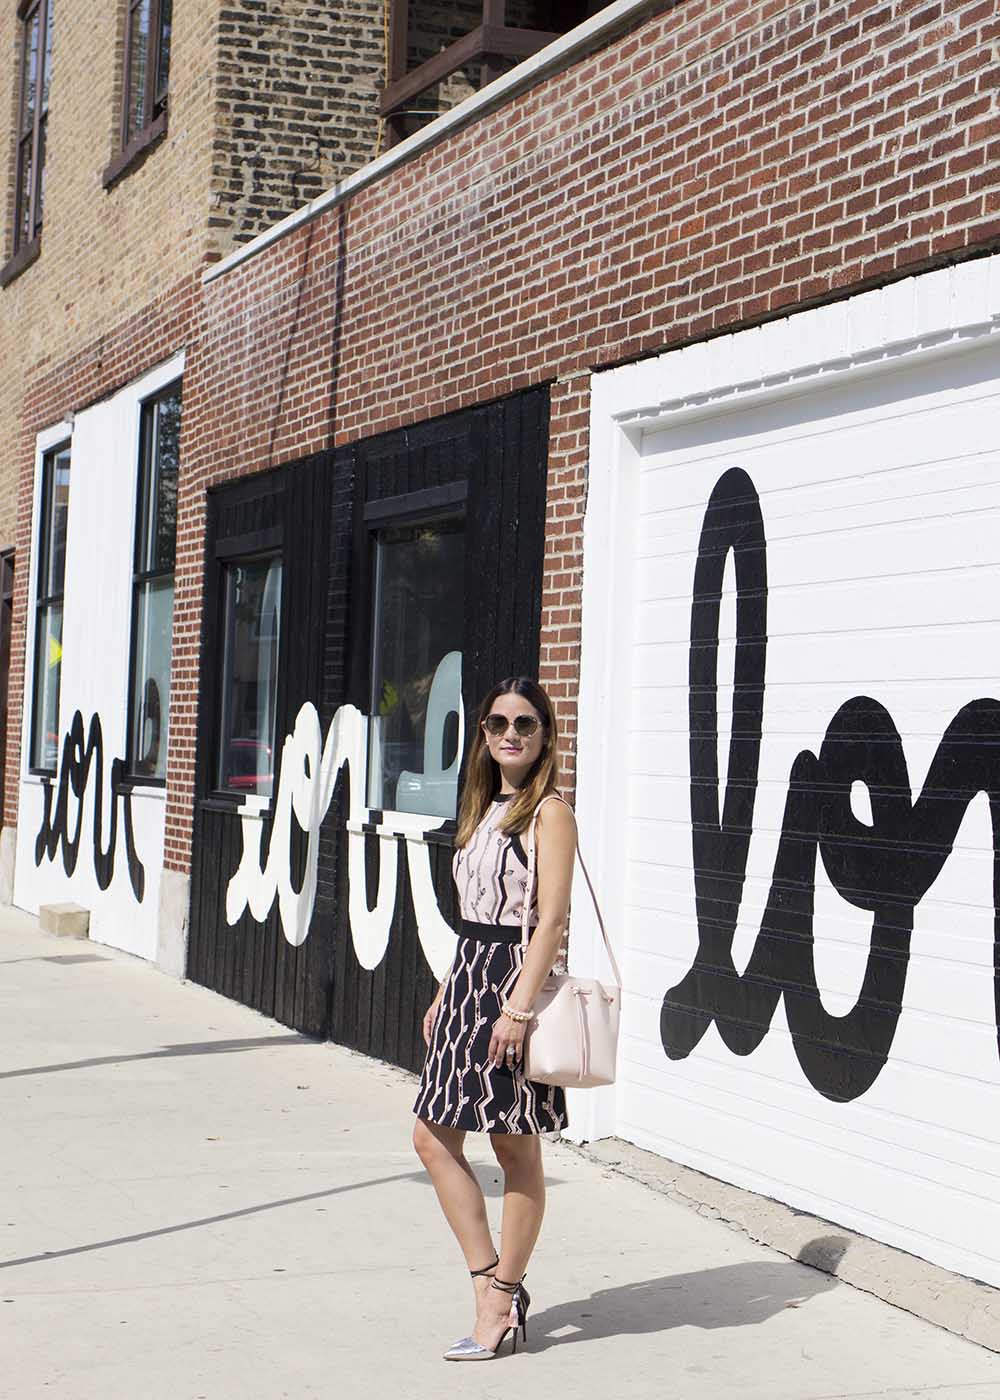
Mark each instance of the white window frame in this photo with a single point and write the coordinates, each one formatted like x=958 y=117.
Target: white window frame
x=45 y=441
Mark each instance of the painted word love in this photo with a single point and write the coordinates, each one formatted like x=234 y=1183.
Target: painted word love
x=79 y=757
x=307 y=778
x=885 y=867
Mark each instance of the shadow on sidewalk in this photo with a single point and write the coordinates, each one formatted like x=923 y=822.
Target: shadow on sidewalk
x=419 y=1175
x=734 y=1295
x=195 y=1047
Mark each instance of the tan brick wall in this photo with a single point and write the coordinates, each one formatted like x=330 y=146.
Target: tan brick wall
x=297 y=106
x=105 y=253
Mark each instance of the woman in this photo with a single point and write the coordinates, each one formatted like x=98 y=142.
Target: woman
x=473 y=1077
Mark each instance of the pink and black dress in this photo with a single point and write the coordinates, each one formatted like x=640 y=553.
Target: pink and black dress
x=458 y=1087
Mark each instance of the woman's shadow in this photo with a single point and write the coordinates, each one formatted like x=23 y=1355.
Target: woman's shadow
x=735 y=1295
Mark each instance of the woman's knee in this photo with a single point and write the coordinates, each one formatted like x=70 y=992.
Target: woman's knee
x=517 y=1151
x=431 y=1144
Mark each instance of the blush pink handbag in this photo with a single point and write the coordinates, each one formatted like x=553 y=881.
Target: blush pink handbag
x=572 y=1037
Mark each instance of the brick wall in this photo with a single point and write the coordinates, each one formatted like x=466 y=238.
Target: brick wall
x=105 y=253
x=715 y=167
x=298 y=88
x=298 y=92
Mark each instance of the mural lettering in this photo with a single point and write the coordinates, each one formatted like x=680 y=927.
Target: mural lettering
x=885 y=867
x=78 y=756
x=306 y=780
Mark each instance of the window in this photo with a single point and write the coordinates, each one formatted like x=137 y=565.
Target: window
x=147 y=65
x=53 y=514
x=417 y=667
x=251 y=638
x=153 y=586
x=33 y=116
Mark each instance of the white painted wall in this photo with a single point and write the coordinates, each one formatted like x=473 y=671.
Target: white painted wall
x=95 y=669
x=871 y=430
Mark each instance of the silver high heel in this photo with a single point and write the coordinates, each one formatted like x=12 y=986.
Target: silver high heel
x=468 y=1349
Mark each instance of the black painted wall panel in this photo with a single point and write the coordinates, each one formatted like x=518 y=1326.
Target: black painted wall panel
x=500 y=452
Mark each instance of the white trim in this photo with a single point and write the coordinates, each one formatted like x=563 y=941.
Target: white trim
x=156 y=379
x=44 y=441
x=605 y=671
x=139 y=390
x=948 y=311
x=555 y=57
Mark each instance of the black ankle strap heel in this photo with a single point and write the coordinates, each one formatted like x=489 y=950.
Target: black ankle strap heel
x=520 y=1301
x=482 y=1273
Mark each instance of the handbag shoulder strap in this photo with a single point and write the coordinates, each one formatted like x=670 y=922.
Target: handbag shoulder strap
x=530 y=889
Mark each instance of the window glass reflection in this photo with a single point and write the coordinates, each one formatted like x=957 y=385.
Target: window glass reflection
x=417 y=671
x=250 y=676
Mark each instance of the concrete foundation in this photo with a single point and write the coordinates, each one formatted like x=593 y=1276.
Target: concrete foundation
x=172 y=933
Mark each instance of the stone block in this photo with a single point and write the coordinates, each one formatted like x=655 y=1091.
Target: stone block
x=69 y=920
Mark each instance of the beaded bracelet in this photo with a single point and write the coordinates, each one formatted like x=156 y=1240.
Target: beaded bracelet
x=518 y=1016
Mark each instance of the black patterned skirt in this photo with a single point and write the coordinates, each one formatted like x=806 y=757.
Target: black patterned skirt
x=458 y=1087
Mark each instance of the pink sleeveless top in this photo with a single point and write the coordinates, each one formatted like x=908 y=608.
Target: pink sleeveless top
x=491 y=874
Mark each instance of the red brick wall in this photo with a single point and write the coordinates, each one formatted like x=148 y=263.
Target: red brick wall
x=721 y=164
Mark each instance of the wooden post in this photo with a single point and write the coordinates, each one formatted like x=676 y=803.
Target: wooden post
x=494 y=13
x=396 y=60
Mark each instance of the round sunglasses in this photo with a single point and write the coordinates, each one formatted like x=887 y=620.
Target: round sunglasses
x=524 y=725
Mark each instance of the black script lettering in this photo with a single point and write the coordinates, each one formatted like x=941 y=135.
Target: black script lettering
x=885 y=868
x=74 y=774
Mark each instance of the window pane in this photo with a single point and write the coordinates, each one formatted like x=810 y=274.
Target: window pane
x=154 y=612
x=163 y=64
x=135 y=78
x=43 y=123
x=161 y=430
x=30 y=74
x=56 y=504
x=416 y=693
x=250 y=676
x=47 y=65
x=22 y=232
x=48 y=670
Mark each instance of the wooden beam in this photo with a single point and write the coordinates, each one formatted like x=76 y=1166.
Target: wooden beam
x=494 y=16
x=486 y=40
x=399 y=23
x=515 y=43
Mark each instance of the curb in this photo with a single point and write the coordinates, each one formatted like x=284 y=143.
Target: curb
x=958 y=1304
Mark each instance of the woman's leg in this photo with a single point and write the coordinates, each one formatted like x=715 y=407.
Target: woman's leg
x=460 y=1195
x=520 y=1156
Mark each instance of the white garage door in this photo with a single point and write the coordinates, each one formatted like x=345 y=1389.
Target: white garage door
x=812 y=742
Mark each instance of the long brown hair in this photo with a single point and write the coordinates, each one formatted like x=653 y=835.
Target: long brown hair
x=482 y=773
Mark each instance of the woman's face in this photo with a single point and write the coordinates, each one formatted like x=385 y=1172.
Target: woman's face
x=513 y=753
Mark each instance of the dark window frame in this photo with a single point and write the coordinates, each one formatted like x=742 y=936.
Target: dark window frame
x=142 y=575
x=44 y=601
x=29 y=142
x=380 y=515
x=233 y=552
x=134 y=142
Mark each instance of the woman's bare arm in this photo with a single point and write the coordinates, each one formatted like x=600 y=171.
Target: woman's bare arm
x=555 y=849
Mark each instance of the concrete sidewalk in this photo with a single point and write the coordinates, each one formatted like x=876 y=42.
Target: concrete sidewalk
x=199 y=1205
